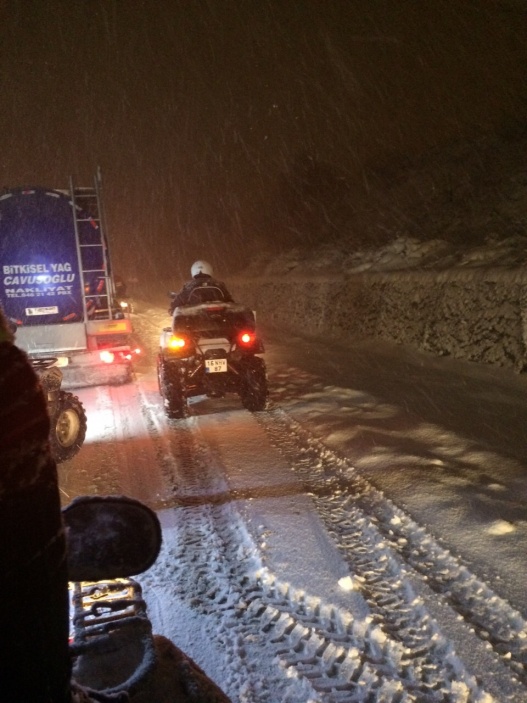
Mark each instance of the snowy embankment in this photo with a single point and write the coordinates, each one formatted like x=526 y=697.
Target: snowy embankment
x=471 y=306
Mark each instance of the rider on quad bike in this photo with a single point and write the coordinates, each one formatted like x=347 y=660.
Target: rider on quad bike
x=202 y=288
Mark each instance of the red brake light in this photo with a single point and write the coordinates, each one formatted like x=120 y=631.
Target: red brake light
x=246 y=338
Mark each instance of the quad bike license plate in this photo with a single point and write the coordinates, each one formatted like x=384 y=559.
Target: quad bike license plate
x=215 y=365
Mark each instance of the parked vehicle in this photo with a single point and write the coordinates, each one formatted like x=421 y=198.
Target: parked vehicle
x=211 y=349
x=57 y=279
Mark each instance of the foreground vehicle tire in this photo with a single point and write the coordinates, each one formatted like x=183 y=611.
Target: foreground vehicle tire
x=254 y=391
x=68 y=428
x=171 y=390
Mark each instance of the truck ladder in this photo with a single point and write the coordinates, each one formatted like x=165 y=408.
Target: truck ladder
x=97 y=281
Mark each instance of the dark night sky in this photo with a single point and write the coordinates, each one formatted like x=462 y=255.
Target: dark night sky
x=202 y=113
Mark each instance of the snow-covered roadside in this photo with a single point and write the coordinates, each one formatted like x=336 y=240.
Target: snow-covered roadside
x=269 y=558
x=444 y=439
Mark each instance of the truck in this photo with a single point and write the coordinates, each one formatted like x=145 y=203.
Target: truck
x=58 y=284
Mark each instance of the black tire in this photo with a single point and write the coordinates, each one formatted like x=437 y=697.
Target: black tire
x=68 y=429
x=254 y=391
x=171 y=390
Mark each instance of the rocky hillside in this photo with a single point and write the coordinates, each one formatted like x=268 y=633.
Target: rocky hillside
x=450 y=278
x=440 y=211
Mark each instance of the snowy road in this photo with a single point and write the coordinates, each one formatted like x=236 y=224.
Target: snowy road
x=310 y=554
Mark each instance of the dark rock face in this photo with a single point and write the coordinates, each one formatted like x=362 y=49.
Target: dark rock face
x=476 y=315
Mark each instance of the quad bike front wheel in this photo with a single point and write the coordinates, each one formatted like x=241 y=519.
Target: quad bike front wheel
x=68 y=429
x=254 y=391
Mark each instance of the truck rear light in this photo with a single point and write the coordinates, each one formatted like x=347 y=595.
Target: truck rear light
x=110 y=357
x=130 y=355
x=107 y=357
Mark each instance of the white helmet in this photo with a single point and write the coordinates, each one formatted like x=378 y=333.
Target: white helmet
x=201 y=267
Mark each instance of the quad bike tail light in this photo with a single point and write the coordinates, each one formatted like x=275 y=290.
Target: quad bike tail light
x=246 y=339
x=180 y=344
x=177 y=342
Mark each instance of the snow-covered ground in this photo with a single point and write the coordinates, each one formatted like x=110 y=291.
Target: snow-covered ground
x=360 y=541
x=354 y=542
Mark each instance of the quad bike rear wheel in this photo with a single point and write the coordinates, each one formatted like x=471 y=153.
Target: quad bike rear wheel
x=171 y=390
x=68 y=427
x=254 y=391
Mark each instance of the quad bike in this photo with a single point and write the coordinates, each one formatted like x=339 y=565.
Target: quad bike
x=112 y=646
x=111 y=640
x=211 y=349
x=66 y=412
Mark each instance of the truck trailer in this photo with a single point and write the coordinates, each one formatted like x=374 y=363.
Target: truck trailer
x=58 y=284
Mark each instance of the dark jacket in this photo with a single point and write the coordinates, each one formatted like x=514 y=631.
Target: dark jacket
x=34 y=657
x=201 y=289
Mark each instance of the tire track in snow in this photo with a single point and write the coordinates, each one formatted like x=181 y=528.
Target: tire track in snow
x=327 y=653
x=395 y=656
x=205 y=559
x=363 y=521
